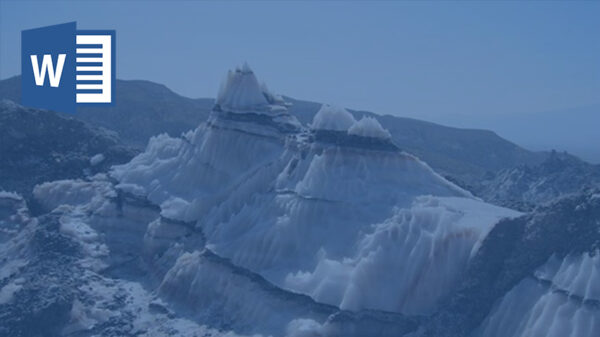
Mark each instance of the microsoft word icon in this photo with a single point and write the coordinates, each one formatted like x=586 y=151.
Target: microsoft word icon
x=62 y=67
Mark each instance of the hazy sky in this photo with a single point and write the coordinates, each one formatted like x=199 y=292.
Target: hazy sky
x=424 y=60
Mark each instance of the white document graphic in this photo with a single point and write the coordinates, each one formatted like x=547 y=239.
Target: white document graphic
x=94 y=69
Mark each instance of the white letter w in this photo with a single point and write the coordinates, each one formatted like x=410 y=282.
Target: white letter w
x=47 y=66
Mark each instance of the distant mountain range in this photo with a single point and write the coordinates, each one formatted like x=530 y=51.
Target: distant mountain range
x=574 y=130
x=144 y=109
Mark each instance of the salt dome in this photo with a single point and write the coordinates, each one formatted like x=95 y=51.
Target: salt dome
x=331 y=117
x=241 y=92
x=369 y=127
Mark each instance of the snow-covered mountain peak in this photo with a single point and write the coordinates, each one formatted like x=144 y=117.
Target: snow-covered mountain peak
x=244 y=104
x=336 y=125
x=335 y=118
x=369 y=127
x=331 y=117
x=241 y=92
